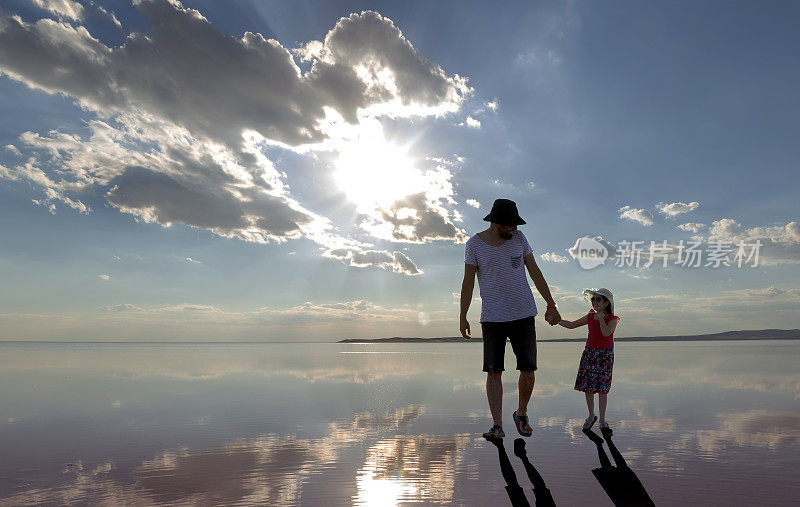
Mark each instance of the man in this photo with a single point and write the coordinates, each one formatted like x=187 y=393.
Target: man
x=497 y=256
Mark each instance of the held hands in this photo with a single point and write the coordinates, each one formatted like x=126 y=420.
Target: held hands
x=552 y=316
x=601 y=315
x=465 y=331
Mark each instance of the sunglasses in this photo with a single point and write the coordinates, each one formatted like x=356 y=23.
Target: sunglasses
x=597 y=299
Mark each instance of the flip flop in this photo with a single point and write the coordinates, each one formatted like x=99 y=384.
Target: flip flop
x=494 y=433
x=524 y=428
x=587 y=425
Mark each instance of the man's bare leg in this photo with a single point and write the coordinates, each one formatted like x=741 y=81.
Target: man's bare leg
x=494 y=392
x=526 y=381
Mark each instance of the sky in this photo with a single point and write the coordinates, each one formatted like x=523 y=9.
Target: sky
x=307 y=171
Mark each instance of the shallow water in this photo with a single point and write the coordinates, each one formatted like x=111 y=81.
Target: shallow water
x=288 y=424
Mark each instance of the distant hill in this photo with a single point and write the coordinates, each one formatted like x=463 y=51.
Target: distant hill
x=759 y=334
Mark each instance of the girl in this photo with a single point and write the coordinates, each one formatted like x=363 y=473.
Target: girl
x=597 y=361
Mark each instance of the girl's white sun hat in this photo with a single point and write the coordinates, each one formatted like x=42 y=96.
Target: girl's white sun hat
x=603 y=292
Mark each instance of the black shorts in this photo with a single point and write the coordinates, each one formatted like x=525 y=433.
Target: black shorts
x=522 y=334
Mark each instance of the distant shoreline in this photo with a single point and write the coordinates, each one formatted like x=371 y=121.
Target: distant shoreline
x=763 y=334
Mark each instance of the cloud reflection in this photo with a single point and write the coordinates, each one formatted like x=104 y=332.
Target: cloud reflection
x=273 y=469
x=410 y=468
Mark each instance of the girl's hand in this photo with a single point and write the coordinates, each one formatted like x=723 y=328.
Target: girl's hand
x=601 y=315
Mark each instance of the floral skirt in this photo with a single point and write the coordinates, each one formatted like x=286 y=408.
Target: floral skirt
x=594 y=372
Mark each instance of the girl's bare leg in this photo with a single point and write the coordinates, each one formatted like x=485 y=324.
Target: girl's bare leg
x=603 y=398
x=590 y=403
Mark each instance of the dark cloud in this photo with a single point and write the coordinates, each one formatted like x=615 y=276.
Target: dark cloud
x=397 y=261
x=157 y=197
x=216 y=85
x=426 y=223
x=179 y=102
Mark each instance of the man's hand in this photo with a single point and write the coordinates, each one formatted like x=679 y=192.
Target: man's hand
x=552 y=316
x=465 y=332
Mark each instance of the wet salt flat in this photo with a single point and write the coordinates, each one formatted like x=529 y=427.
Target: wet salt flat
x=698 y=423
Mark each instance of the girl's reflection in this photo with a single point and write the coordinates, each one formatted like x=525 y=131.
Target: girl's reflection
x=619 y=482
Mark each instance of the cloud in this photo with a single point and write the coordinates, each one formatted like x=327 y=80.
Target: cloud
x=54 y=195
x=186 y=115
x=413 y=219
x=344 y=311
x=63 y=8
x=492 y=104
x=189 y=308
x=396 y=262
x=781 y=242
x=692 y=227
x=109 y=15
x=7 y=174
x=676 y=208
x=553 y=257
x=125 y=307
x=610 y=248
x=770 y=292
x=444 y=161
x=473 y=203
x=13 y=149
x=179 y=308
x=156 y=197
x=218 y=86
x=471 y=123
x=776 y=298
x=183 y=180
x=398 y=200
x=104 y=277
x=540 y=59
x=642 y=216
x=307 y=313
x=728 y=229
x=192 y=261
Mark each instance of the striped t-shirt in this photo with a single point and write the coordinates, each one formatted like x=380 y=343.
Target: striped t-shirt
x=505 y=293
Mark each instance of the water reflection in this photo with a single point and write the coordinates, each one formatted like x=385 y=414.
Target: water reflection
x=516 y=494
x=619 y=482
x=543 y=496
x=272 y=469
x=412 y=468
x=309 y=424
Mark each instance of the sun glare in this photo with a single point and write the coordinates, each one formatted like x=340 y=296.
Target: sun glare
x=374 y=173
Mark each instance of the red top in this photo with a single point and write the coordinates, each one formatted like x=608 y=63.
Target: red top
x=596 y=340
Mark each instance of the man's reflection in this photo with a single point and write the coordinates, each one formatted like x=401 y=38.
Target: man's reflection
x=514 y=490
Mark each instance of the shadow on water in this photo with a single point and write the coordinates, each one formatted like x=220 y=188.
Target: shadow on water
x=515 y=492
x=619 y=482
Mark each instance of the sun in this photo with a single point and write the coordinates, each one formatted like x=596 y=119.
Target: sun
x=374 y=173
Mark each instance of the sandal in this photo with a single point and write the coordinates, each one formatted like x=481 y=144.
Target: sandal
x=494 y=433
x=587 y=425
x=523 y=428
x=605 y=428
